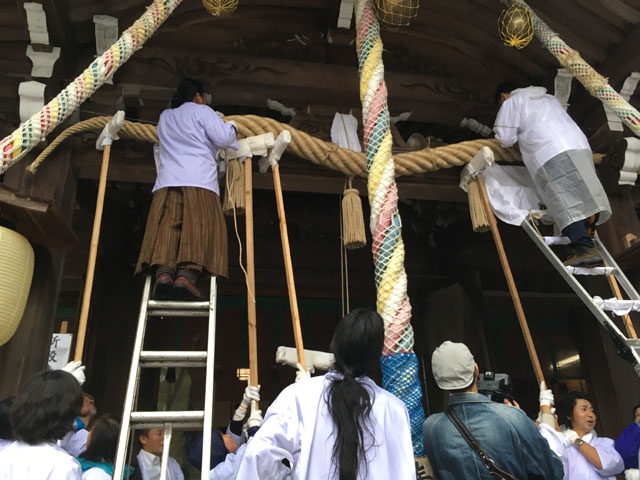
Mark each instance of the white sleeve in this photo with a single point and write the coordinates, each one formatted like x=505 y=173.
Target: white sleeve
x=174 y=470
x=507 y=123
x=556 y=440
x=612 y=463
x=406 y=463
x=276 y=440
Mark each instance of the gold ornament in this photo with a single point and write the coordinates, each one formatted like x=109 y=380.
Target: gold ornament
x=394 y=14
x=516 y=26
x=220 y=8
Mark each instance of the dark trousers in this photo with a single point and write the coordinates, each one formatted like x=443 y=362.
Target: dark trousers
x=581 y=232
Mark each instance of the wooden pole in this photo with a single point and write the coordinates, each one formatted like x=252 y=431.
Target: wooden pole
x=626 y=319
x=533 y=355
x=286 y=252
x=251 y=274
x=93 y=252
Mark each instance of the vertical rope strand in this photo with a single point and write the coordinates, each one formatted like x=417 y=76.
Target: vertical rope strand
x=399 y=362
x=15 y=146
x=596 y=84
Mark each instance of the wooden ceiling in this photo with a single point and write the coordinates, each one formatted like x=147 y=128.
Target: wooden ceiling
x=442 y=68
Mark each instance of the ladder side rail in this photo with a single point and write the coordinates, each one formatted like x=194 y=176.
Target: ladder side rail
x=600 y=315
x=622 y=279
x=208 y=393
x=167 y=433
x=132 y=385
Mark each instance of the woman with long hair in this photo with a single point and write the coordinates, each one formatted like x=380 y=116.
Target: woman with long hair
x=584 y=455
x=340 y=426
x=42 y=413
x=186 y=234
x=102 y=442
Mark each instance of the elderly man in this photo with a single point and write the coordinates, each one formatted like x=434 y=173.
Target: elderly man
x=75 y=442
x=559 y=160
x=504 y=433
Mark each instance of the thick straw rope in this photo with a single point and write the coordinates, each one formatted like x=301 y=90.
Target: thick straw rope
x=399 y=363
x=596 y=84
x=34 y=130
x=305 y=146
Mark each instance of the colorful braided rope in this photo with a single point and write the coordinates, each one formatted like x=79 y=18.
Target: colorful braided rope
x=399 y=363
x=597 y=85
x=34 y=130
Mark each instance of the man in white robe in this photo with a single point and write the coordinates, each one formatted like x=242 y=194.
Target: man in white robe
x=559 y=159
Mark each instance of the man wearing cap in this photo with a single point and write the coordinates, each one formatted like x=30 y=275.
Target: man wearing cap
x=504 y=433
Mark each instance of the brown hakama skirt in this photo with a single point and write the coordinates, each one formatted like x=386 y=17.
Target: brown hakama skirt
x=185 y=229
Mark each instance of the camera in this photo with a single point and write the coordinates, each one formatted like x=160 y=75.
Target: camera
x=496 y=386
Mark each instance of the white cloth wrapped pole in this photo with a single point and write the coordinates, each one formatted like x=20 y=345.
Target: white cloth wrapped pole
x=478 y=163
x=313 y=358
x=110 y=131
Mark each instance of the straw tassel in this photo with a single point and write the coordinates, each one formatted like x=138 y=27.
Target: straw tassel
x=479 y=217
x=353 y=230
x=234 y=193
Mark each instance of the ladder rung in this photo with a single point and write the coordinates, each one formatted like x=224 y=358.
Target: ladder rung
x=173 y=359
x=592 y=270
x=171 y=305
x=633 y=342
x=194 y=418
x=617 y=307
x=177 y=313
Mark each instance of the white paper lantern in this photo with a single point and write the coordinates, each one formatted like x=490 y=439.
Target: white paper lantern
x=16 y=272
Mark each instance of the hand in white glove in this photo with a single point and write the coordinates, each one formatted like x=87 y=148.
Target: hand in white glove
x=571 y=435
x=251 y=394
x=546 y=396
x=632 y=474
x=302 y=374
x=77 y=370
x=255 y=419
x=234 y=124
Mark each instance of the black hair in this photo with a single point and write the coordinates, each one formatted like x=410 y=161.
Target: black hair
x=186 y=91
x=6 y=432
x=357 y=346
x=504 y=87
x=566 y=406
x=104 y=440
x=46 y=407
x=633 y=412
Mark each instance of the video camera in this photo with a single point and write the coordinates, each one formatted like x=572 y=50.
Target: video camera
x=496 y=386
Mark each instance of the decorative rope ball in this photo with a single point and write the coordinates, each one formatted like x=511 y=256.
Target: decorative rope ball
x=220 y=8
x=394 y=14
x=516 y=26
x=16 y=272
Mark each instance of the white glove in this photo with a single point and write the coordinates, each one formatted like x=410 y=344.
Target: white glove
x=250 y=394
x=235 y=125
x=571 y=435
x=632 y=474
x=302 y=374
x=255 y=419
x=77 y=370
x=546 y=396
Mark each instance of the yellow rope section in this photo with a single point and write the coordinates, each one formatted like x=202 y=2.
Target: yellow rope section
x=318 y=151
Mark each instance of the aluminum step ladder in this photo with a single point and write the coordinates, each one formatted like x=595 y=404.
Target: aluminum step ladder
x=627 y=347
x=168 y=420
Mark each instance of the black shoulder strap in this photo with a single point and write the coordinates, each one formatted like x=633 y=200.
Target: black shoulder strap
x=475 y=446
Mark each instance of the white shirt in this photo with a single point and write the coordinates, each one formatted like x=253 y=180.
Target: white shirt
x=540 y=126
x=150 y=465
x=4 y=443
x=46 y=461
x=576 y=466
x=190 y=137
x=298 y=427
x=75 y=443
x=96 y=473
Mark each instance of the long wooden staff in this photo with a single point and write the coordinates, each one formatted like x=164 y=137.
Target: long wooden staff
x=251 y=275
x=280 y=145
x=524 y=326
x=93 y=252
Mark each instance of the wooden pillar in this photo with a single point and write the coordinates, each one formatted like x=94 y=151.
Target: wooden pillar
x=27 y=352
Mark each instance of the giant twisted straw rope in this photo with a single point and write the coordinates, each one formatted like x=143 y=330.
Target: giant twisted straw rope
x=318 y=151
x=596 y=84
x=34 y=130
x=399 y=371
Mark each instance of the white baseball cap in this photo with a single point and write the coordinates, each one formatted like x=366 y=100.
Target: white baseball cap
x=453 y=366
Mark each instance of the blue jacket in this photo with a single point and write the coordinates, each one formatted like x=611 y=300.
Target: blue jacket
x=628 y=445
x=505 y=433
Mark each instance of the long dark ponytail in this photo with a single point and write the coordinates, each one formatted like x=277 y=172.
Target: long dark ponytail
x=357 y=346
x=186 y=91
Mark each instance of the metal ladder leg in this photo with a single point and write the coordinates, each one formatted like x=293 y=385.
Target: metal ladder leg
x=208 y=393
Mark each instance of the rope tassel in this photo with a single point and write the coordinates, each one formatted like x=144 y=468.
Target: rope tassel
x=353 y=231
x=479 y=217
x=234 y=198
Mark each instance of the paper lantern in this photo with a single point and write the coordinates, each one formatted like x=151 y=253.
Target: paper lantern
x=16 y=272
x=516 y=26
x=220 y=8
